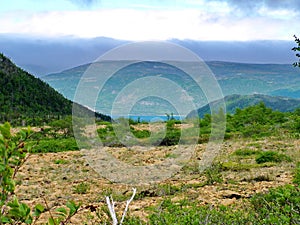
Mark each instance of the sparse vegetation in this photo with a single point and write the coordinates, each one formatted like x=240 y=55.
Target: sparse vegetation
x=14 y=153
x=81 y=188
x=262 y=146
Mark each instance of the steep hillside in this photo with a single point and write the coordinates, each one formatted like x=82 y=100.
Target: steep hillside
x=23 y=95
x=241 y=101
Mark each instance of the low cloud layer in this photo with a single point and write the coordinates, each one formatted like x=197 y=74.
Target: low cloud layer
x=87 y=3
x=271 y=4
x=43 y=56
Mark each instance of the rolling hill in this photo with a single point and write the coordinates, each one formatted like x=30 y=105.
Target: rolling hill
x=233 y=78
x=22 y=95
x=233 y=102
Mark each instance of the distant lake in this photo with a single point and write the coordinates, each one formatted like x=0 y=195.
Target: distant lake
x=142 y=118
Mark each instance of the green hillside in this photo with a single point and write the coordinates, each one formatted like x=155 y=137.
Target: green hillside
x=25 y=96
x=242 y=101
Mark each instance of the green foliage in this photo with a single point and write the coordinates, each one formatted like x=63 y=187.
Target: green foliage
x=107 y=136
x=245 y=152
x=13 y=153
x=27 y=99
x=141 y=133
x=296 y=179
x=64 y=126
x=255 y=121
x=23 y=94
x=279 y=206
x=61 y=161
x=186 y=212
x=81 y=188
x=55 y=145
x=172 y=137
x=166 y=190
x=213 y=174
x=271 y=156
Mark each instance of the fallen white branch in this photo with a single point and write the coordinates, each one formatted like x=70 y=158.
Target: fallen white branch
x=127 y=205
x=111 y=207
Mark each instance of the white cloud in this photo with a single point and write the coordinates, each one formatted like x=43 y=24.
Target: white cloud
x=133 y=24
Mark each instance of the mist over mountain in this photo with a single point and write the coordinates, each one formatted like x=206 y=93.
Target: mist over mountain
x=41 y=56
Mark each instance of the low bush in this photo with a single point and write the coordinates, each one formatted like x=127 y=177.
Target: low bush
x=81 y=188
x=296 y=179
x=213 y=174
x=186 y=212
x=141 y=133
x=245 y=152
x=279 y=206
x=14 y=153
x=55 y=145
x=271 y=156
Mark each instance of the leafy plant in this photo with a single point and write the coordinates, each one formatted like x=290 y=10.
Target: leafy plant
x=213 y=174
x=141 y=133
x=271 y=156
x=296 y=179
x=81 y=188
x=61 y=161
x=245 y=152
x=279 y=206
x=55 y=145
x=13 y=153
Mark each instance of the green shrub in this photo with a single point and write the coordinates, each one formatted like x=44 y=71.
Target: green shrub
x=172 y=137
x=55 y=145
x=13 y=153
x=213 y=174
x=279 y=206
x=61 y=161
x=271 y=156
x=141 y=133
x=81 y=188
x=245 y=152
x=296 y=179
x=186 y=212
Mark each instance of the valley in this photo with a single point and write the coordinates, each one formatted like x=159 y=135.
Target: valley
x=65 y=167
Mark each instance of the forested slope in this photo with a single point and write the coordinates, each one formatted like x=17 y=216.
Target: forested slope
x=24 y=96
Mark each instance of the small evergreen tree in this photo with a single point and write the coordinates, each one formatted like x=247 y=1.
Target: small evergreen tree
x=297 y=49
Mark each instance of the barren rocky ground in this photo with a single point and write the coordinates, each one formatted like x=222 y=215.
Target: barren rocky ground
x=55 y=178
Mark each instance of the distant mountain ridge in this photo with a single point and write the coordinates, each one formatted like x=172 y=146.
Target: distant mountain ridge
x=234 y=102
x=23 y=95
x=233 y=78
x=41 y=56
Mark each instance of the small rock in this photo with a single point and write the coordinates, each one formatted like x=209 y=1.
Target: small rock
x=230 y=194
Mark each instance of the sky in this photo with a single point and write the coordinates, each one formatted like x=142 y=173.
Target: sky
x=203 y=20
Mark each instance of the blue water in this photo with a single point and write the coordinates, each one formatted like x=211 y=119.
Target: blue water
x=149 y=118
